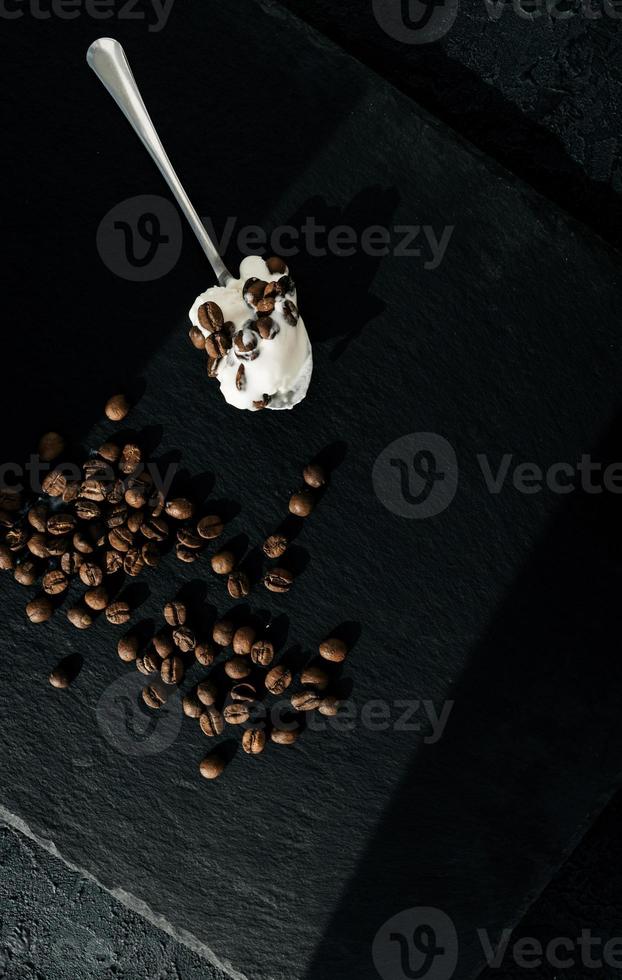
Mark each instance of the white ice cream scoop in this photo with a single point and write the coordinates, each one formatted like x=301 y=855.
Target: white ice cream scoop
x=258 y=365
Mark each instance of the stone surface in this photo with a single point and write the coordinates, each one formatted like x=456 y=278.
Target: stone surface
x=502 y=608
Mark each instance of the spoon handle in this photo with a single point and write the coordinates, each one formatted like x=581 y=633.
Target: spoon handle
x=107 y=59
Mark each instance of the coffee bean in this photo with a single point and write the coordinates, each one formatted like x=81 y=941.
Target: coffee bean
x=210 y=526
x=71 y=562
x=184 y=639
x=109 y=452
x=314 y=475
x=133 y=563
x=80 y=617
x=6 y=558
x=121 y=539
x=187 y=555
x=265 y=306
x=117 y=407
x=172 y=670
x=10 y=499
x=51 y=445
x=149 y=663
x=175 y=613
x=333 y=649
x=240 y=378
x=16 y=538
x=262 y=653
x=97 y=598
x=267 y=328
x=217 y=344
x=278 y=580
x=302 y=503
x=275 y=546
x=61 y=524
x=243 y=692
x=116 y=515
x=212 y=766
x=223 y=632
x=253 y=291
x=286 y=286
x=154 y=695
x=188 y=539
x=155 y=529
x=39 y=610
x=37 y=546
x=87 y=510
x=278 y=680
x=205 y=654
x=276 y=265
x=128 y=647
x=136 y=497
x=284 y=737
x=54 y=583
x=213 y=363
x=118 y=613
x=57 y=547
x=236 y=713
x=265 y=401
x=315 y=676
x=71 y=491
x=329 y=706
x=210 y=316
x=211 y=722
x=237 y=667
x=290 y=313
x=131 y=457
x=54 y=484
x=38 y=517
x=254 y=741
x=115 y=492
x=26 y=573
x=94 y=490
x=243 y=640
x=60 y=677
x=306 y=701
x=113 y=562
x=223 y=562
x=245 y=344
x=82 y=543
x=181 y=509
x=96 y=469
x=91 y=574
x=238 y=585
x=191 y=706
x=135 y=521
x=163 y=643
x=197 y=339
x=207 y=693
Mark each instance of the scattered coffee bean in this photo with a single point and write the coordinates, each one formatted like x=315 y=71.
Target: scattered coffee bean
x=93 y=490
x=71 y=562
x=254 y=741
x=128 y=647
x=60 y=677
x=237 y=667
x=184 y=639
x=51 y=445
x=59 y=524
x=163 y=643
x=253 y=291
x=154 y=695
x=278 y=680
x=265 y=306
x=262 y=653
x=191 y=706
x=136 y=497
x=210 y=316
x=207 y=693
x=113 y=562
x=181 y=509
x=16 y=538
x=54 y=484
x=212 y=766
x=135 y=521
x=6 y=558
x=290 y=313
x=82 y=543
x=172 y=670
x=38 y=517
x=155 y=529
x=117 y=408
x=245 y=344
x=54 y=583
x=121 y=539
x=240 y=378
x=187 y=555
x=212 y=722
x=197 y=339
x=149 y=663
x=109 y=452
x=91 y=574
x=213 y=363
x=329 y=706
x=175 y=613
x=188 y=539
x=238 y=585
x=133 y=563
x=205 y=654
x=57 y=547
x=223 y=562
x=243 y=692
x=217 y=344
x=26 y=572
x=265 y=401
x=314 y=475
x=276 y=265
x=284 y=736
x=302 y=503
x=116 y=516
x=39 y=610
x=88 y=510
x=118 y=613
x=243 y=640
x=80 y=617
x=37 y=546
x=10 y=499
x=131 y=457
x=236 y=713
x=315 y=676
x=210 y=527
x=151 y=554
x=267 y=328
x=71 y=491
x=286 y=286
x=333 y=649
x=275 y=546
x=97 y=598
x=306 y=701
x=278 y=580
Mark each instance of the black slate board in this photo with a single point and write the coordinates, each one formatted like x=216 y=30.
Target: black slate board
x=506 y=604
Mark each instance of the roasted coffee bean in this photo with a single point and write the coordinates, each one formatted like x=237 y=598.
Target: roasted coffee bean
x=54 y=484
x=39 y=610
x=71 y=491
x=207 y=693
x=155 y=529
x=6 y=558
x=223 y=562
x=175 y=613
x=272 y=289
x=37 y=546
x=91 y=574
x=163 y=643
x=131 y=457
x=54 y=583
x=109 y=452
x=191 y=706
x=278 y=580
x=82 y=543
x=315 y=676
x=286 y=286
x=149 y=663
x=71 y=562
x=240 y=378
x=38 y=517
x=187 y=555
x=217 y=344
x=197 y=338
x=184 y=639
x=265 y=401
x=172 y=670
x=97 y=598
x=88 y=510
x=276 y=265
x=210 y=526
x=133 y=563
x=329 y=706
x=16 y=538
x=128 y=647
x=205 y=654
x=80 y=617
x=94 y=490
x=10 y=500
x=117 y=408
x=213 y=363
x=26 y=573
x=57 y=547
x=254 y=741
x=135 y=521
x=314 y=475
x=306 y=701
x=154 y=695
x=115 y=492
x=278 y=680
x=210 y=316
x=136 y=497
x=238 y=585
x=267 y=328
x=253 y=291
x=212 y=722
x=237 y=668
x=189 y=539
x=151 y=554
x=181 y=509
x=302 y=503
x=243 y=640
x=245 y=344
x=290 y=313
x=59 y=524
x=223 y=632
x=113 y=562
x=96 y=469
x=118 y=613
x=121 y=538
x=284 y=736
x=60 y=677
x=51 y=445
x=212 y=766
x=262 y=653
x=243 y=692
x=8 y=519
x=333 y=649
x=275 y=546
x=236 y=713
x=116 y=515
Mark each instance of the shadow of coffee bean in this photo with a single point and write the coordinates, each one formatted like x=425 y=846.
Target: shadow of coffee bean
x=135 y=595
x=331 y=456
x=296 y=559
x=276 y=631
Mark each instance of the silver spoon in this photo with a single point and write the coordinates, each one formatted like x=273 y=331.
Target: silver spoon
x=107 y=59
